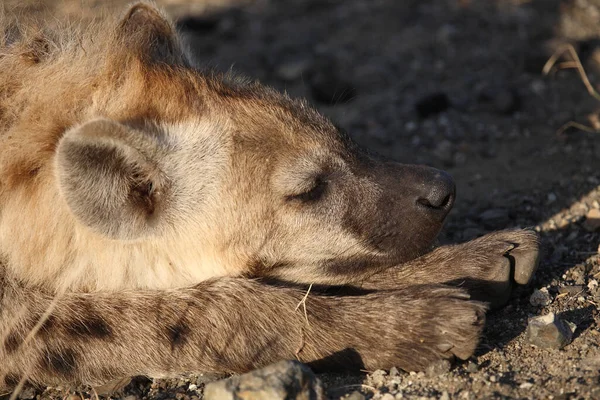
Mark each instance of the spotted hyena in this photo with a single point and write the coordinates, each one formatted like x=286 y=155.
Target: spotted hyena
x=156 y=219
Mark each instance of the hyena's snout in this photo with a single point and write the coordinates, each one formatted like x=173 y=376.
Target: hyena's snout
x=436 y=195
x=423 y=193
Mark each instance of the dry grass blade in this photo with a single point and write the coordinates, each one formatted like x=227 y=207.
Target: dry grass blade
x=574 y=64
x=30 y=336
x=303 y=303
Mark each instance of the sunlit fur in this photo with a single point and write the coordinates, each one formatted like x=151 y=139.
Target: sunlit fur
x=145 y=204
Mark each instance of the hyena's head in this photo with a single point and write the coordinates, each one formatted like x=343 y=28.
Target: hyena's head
x=162 y=162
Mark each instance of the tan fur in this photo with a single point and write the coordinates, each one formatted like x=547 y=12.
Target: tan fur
x=171 y=217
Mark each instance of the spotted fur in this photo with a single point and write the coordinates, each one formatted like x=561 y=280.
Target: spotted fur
x=156 y=219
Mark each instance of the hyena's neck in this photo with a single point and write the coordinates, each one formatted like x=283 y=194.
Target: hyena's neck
x=52 y=250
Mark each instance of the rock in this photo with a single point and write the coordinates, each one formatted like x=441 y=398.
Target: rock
x=387 y=396
x=113 y=386
x=526 y=385
x=495 y=218
x=432 y=104
x=540 y=298
x=549 y=331
x=445 y=395
x=283 y=380
x=592 y=220
x=472 y=367
x=356 y=396
x=572 y=290
x=438 y=368
x=378 y=377
x=394 y=372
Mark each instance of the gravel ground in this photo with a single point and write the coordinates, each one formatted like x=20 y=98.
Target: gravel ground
x=456 y=84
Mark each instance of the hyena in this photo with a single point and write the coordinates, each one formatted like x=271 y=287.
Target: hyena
x=156 y=219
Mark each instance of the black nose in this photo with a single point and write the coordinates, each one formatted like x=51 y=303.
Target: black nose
x=438 y=194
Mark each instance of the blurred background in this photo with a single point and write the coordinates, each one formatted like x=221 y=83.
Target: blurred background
x=456 y=84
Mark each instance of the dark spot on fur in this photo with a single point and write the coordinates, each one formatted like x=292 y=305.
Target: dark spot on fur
x=90 y=325
x=34 y=171
x=93 y=326
x=38 y=49
x=11 y=380
x=178 y=334
x=47 y=326
x=120 y=306
x=14 y=339
x=12 y=342
x=59 y=362
x=353 y=265
x=257 y=267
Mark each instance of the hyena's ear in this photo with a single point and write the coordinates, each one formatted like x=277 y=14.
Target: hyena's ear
x=148 y=35
x=110 y=178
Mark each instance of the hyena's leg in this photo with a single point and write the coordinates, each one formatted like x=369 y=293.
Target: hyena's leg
x=487 y=267
x=229 y=325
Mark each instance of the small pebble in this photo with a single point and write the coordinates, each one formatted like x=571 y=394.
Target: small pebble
x=378 y=377
x=549 y=331
x=592 y=220
x=356 y=396
x=27 y=393
x=540 y=298
x=283 y=380
x=526 y=385
x=472 y=367
x=438 y=368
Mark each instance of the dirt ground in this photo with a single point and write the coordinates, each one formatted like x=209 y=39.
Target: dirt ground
x=456 y=84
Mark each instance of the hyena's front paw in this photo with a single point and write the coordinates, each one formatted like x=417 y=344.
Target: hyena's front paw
x=493 y=263
x=431 y=323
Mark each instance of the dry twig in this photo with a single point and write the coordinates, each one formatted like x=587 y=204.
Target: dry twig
x=575 y=64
